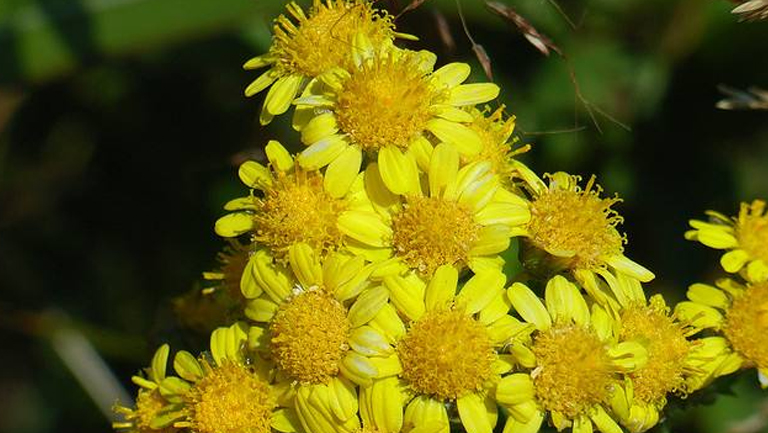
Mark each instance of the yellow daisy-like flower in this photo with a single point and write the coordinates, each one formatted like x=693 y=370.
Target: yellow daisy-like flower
x=292 y=205
x=575 y=359
x=228 y=392
x=675 y=363
x=314 y=325
x=745 y=238
x=495 y=131
x=311 y=44
x=144 y=416
x=573 y=229
x=446 y=352
x=464 y=219
x=738 y=312
x=391 y=104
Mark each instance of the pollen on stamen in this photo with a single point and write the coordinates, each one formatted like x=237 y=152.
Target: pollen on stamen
x=577 y=222
x=309 y=336
x=320 y=40
x=298 y=209
x=573 y=372
x=430 y=232
x=230 y=398
x=752 y=229
x=667 y=346
x=446 y=354
x=385 y=102
x=746 y=324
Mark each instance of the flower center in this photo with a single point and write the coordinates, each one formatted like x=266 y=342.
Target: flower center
x=752 y=230
x=446 y=354
x=298 y=209
x=667 y=347
x=746 y=325
x=573 y=372
x=321 y=41
x=230 y=398
x=309 y=336
x=429 y=232
x=576 y=223
x=385 y=102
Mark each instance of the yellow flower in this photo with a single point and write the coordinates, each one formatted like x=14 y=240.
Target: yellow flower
x=391 y=103
x=495 y=131
x=675 y=363
x=575 y=359
x=464 y=219
x=143 y=417
x=446 y=352
x=740 y=313
x=314 y=325
x=227 y=392
x=289 y=205
x=311 y=45
x=744 y=237
x=573 y=229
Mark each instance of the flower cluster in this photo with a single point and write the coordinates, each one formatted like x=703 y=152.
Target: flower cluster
x=368 y=267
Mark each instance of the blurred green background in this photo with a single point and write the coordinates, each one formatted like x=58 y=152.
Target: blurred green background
x=122 y=123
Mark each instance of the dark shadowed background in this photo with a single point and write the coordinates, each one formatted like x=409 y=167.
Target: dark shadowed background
x=122 y=123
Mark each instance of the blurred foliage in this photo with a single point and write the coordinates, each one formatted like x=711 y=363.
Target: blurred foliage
x=122 y=122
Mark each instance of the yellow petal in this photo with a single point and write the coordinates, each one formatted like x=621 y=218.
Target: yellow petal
x=452 y=74
x=441 y=288
x=603 y=421
x=529 y=306
x=285 y=421
x=398 y=171
x=342 y=172
x=443 y=168
x=533 y=425
x=159 y=363
x=322 y=152
x=342 y=398
x=405 y=296
x=187 y=367
x=367 y=306
x=320 y=127
x=449 y=112
x=699 y=316
x=565 y=303
x=480 y=290
x=358 y=369
x=366 y=227
x=733 y=261
x=254 y=175
x=234 y=224
x=387 y=405
x=707 y=295
x=367 y=341
x=265 y=80
x=717 y=238
x=306 y=265
x=281 y=94
x=515 y=389
x=278 y=156
x=420 y=149
x=474 y=413
x=260 y=310
x=258 y=62
x=472 y=94
x=491 y=240
x=466 y=140
x=627 y=266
